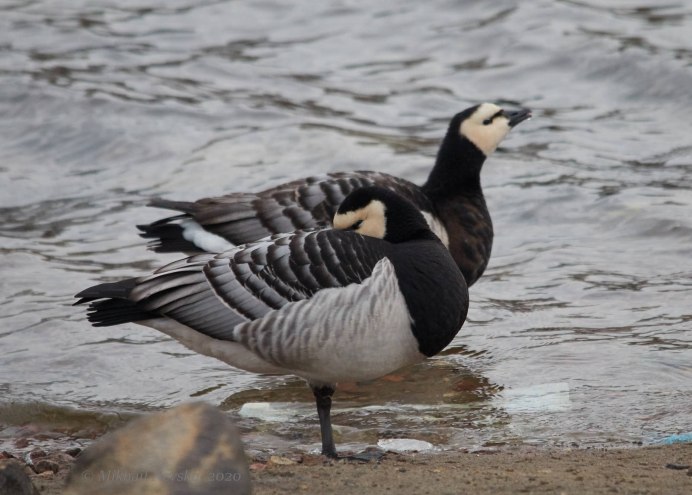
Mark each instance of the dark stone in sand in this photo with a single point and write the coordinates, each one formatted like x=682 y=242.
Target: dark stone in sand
x=192 y=449
x=14 y=480
x=37 y=454
x=43 y=465
x=73 y=452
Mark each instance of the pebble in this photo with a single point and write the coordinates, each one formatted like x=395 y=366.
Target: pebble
x=44 y=465
x=370 y=454
x=36 y=454
x=74 y=452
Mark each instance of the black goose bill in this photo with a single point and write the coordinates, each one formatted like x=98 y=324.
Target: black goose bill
x=518 y=116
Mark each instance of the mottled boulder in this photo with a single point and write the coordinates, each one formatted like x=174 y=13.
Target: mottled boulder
x=193 y=449
x=14 y=480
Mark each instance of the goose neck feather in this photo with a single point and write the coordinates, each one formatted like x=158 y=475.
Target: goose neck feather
x=457 y=169
x=425 y=268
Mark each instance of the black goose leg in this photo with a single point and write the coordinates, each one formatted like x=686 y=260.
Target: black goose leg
x=323 y=399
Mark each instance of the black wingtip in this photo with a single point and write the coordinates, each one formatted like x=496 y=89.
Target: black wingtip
x=109 y=304
x=116 y=290
x=167 y=237
x=111 y=312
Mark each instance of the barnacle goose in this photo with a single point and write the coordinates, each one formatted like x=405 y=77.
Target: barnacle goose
x=378 y=292
x=451 y=200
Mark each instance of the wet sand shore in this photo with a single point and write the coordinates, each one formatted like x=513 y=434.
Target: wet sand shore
x=643 y=470
x=637 y=470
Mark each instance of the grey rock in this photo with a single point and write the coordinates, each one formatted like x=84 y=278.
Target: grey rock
x=193 y=449
x=14 y=480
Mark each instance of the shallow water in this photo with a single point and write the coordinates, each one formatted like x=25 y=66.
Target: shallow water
x=580 y=330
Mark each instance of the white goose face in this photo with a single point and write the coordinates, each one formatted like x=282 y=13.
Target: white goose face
x=486 y=127
x=369 y=220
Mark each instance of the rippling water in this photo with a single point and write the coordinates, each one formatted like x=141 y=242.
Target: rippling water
x=580 y=331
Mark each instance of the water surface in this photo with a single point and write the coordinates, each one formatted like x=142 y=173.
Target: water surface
x=580 y=330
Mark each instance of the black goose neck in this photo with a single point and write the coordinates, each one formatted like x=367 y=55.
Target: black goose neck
x=457 y=168
x=410 y=228
x=423 y=234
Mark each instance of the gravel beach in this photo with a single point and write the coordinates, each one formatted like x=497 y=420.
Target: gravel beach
x=642 y=470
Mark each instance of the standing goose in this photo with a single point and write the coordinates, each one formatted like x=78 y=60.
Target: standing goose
x=451 y=200
x=380 y=293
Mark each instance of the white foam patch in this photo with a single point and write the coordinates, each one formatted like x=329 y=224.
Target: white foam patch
x=276 y=412
x=405 y=445
x=546 y=397
x=211 y=243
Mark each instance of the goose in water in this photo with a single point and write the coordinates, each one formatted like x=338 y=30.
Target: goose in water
x=376 y=293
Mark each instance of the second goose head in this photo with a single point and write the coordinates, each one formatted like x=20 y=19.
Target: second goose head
x=378 y=212
x=473 y=135
x=487 y=124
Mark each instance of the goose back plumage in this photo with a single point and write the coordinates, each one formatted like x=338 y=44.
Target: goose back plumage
x=293 y=299
x=239 y=218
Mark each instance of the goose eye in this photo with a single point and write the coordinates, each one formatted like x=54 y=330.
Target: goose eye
x=488 y=121
x=357 y=225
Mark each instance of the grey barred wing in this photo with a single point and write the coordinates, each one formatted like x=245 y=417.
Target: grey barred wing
x=240 y=218
x=213 y=294
x=303 y=204
x=321 y=196
x=292 y=267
